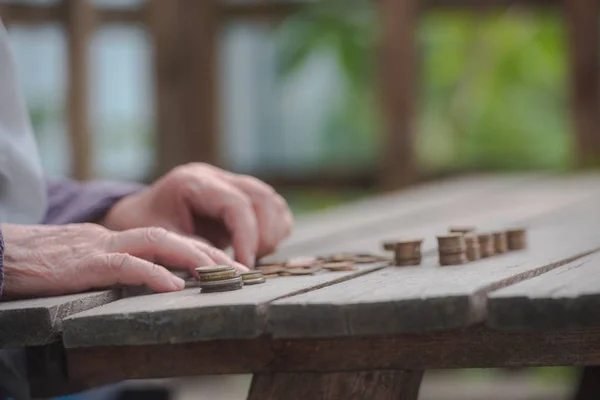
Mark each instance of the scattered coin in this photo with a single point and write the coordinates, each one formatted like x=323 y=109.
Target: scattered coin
x=517 y=239
x=302 y=262
x=368 y=258
x=486 y=245
x=301 y=271
x=269 y=276
x=340 y=266
x=270 y=269
x=500 y=242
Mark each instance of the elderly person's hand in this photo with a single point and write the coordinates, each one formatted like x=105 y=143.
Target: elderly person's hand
x=199 y=200
x=49 y=260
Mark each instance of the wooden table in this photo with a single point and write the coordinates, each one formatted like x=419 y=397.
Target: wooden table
x=354 y=335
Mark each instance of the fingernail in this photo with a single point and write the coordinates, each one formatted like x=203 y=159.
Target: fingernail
x=177 y=282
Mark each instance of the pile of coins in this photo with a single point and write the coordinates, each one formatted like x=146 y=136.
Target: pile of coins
x=452 y=249
x=406 y=252
x=219 y=278
x=473 y=248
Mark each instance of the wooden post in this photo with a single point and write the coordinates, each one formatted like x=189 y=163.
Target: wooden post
x=199 y=24
x=582 y=29
x=169 y=128
x=79 y=23
x=398 y=83
x=380 y=385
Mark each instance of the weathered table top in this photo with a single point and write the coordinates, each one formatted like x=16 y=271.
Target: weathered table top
x=539 y=306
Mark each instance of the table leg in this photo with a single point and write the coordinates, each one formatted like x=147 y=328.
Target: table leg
x=380 y=385
x=589 y=385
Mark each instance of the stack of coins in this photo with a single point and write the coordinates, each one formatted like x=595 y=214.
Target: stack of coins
x=486 y=244
x=452 y=249
x=407 y=253
x=219 y=278
x=252 y=278
x=517 y=239
x=500 y=242
x=473 y=249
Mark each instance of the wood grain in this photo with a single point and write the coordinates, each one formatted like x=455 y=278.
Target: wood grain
x=475 y=347
x=380 y=385
x=39 y=321
x=426 y=298
x=189 y=315
x=567 y=297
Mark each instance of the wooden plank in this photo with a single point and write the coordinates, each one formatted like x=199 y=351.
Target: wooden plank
x=581 y=17
x=380 y=385
x=397 y=82
x=39 y=321
x=365 y=226
x=567 y=297
x=414 y=203
x=80 y=21
x=188 y=315
x=476 y=347
x=423 y=299
x=199 y=43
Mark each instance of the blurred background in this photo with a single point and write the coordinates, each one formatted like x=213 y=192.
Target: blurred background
x=328 y=101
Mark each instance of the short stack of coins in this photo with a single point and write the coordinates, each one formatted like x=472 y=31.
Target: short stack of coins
x=452 y=249
x=517 y=239
x=486 y=244
x=407 y=253
x=473 y=249
x=252 y=277
x=219 y=278
x=500 y=242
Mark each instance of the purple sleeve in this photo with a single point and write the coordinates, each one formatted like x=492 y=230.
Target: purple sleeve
x=74 y=202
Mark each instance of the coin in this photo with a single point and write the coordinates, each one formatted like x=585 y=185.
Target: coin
x=218 y=276
x=340 y=266
x=213 y=268
x=452 y=259
x=223 y=282
x=368 y=258
x=500 y=242
x=473 y=250
x=451 y=244
x=517 y=239
x=301 y=271
x=486 y=245
x=407 y=262
x=461 y=229
x=269 y=269
x=302 y=262
x=251 y=275
x=254 y=281
x=225 y=288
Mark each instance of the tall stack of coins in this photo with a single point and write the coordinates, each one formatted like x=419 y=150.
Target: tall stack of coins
x=408 y=253
x=219 y=278
x=486 y=244
x=500 y=242
x=452 y=249
x=473 y=249
x=517 y=239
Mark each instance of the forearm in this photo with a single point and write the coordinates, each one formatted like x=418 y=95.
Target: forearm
x=73 y=202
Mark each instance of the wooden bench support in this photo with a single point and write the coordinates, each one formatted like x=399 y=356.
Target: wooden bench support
x=380 y=385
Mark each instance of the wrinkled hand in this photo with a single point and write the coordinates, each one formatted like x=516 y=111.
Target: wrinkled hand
x=50 y=260
x=204 y=201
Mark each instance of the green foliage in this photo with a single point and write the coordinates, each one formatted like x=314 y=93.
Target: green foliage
x=493 y=91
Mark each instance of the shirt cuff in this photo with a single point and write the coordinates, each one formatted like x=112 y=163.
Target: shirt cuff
x=74 y=202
